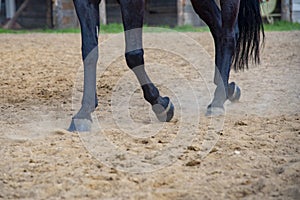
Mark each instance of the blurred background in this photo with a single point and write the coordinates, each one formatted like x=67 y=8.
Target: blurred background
x=60 y=14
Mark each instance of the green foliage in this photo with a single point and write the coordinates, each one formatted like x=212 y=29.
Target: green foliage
x=111 y=28
x=118 y=28
x=11 y=31
x=190 y=28
x=40 y=31
x=282 y=26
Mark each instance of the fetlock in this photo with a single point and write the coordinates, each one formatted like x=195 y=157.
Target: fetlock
x=151 y=93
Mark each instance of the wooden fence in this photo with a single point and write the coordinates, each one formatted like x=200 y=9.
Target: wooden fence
x=61 y=13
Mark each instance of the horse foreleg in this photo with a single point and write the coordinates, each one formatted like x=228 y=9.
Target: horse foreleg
x=88 y=15
x=132 y=13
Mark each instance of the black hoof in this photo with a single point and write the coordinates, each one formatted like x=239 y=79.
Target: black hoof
x=214 y=111
x=80 y=125
x=164 y=109
x=234 y=92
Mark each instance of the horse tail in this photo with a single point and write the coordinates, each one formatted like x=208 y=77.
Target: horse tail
x=249 y=40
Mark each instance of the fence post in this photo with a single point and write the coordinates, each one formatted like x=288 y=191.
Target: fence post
x=285 y=10
x=180 y=12
x=103 y=12
x=10 y=6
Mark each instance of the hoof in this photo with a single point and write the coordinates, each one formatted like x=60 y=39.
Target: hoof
x=234 y=93
x=80 y=125
x=214 y=111
x=164 y=109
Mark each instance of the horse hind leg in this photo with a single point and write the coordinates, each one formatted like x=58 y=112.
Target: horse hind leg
x=230 y=35
x=220 y=25
x=234 y=92
x=88 y=14
x=133 y=22
x=210 y=13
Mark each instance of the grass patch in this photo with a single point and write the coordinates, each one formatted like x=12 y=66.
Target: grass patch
x=110 y=28
x=40 y=31
x=11 y=31
x=118 y=28
x=282 y=26
x=189 y=28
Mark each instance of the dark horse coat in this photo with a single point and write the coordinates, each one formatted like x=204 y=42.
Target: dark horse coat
x=236 y=29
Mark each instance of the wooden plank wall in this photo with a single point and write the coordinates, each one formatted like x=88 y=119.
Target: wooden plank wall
x=113 y=12
x=188 y=16
x=48 y=14
x=296 y=11
x=2 y=12
x=160 y=12
x=61 y=14
x=36 y=15
x=64 y=15
x=157 y=12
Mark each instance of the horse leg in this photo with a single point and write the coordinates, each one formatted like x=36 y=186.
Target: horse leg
x=210 y=13
x=132 y=13
x=88 y=15
x=229 y=13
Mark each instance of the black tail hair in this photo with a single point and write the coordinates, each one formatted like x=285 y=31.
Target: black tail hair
x=250 y=28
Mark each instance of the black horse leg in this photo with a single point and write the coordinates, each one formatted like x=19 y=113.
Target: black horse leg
x=229 y=12
x=132 y=13
x=210 y=13
x=88 y=14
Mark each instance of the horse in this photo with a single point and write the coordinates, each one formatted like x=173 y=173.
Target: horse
x=237 y=30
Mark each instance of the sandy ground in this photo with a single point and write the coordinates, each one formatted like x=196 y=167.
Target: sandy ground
x=254 y=154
